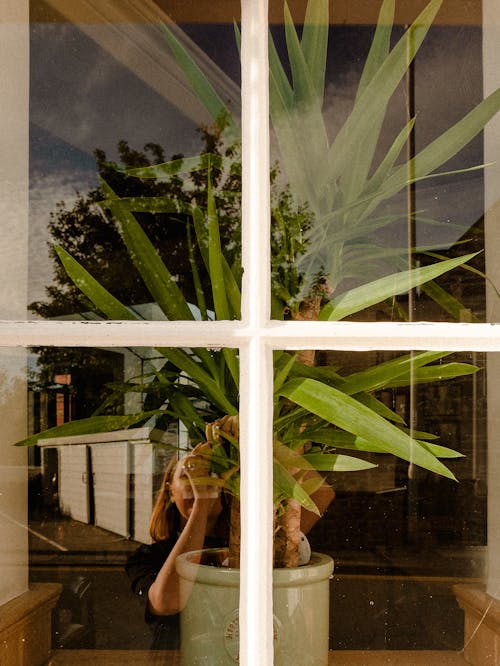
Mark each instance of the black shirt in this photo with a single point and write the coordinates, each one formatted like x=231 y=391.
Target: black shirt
x=142 y=567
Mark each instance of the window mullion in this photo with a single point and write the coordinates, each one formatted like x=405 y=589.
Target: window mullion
x=256 y=626
x=343 y=335
x=256 y=643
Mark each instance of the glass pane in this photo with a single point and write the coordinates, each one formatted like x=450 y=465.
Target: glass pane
x=401 y=536
x=368 y=451
x=127 y=155
x=378 y=175
x=133 y=471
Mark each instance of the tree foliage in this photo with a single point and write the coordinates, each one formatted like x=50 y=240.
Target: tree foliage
x=92 y=236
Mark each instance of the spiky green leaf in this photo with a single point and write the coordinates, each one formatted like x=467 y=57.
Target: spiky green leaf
x=348 y=414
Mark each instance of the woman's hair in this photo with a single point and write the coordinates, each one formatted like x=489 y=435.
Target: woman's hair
x=165 y=519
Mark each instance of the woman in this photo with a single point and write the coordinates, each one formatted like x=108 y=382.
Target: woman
x=188 y=515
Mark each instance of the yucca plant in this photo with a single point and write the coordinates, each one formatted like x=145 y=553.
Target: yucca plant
x=335 y=411
x=322 y=227
x=339 y=179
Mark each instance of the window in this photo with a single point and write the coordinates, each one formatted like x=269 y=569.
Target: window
x=103 y=77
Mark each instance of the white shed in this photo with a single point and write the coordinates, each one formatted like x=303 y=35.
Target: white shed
x=110 y=479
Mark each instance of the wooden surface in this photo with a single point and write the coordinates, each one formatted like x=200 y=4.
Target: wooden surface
x=39 y=596
x=25 y=629
x=114 y=658
x=452 y=12
x=340 y=658
x=481 y=624
x=396 y=658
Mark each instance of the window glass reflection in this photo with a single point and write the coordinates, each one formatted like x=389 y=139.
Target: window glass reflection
x=387 y=175
x=403 y=528
x=128 y=473
x=399 y=534
x=113 y=116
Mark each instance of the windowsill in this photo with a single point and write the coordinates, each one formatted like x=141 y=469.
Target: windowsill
x=25 y=625
x=481 y=626
x=346 y=658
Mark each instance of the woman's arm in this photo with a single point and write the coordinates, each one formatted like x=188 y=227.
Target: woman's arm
x=322 y=497
x=164 y=593
x=200 y=504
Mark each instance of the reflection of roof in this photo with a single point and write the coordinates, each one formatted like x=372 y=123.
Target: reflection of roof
x=147 y=311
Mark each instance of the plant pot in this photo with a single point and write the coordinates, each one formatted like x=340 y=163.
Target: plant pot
x=209 y=621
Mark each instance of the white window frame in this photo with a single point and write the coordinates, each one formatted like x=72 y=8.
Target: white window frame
x=256 y=336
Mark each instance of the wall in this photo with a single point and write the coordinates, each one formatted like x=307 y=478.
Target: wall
x=14 y=56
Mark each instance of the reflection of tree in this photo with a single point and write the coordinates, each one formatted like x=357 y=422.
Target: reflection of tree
x=93 y=239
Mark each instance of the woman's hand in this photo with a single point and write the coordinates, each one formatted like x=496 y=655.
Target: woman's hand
x=197 y=468
x=193 y=484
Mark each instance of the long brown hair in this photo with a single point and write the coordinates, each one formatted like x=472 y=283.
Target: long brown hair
x=165 y=518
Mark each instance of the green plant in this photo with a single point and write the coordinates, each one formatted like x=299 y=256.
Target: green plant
x=339 y=180
x=320 y=226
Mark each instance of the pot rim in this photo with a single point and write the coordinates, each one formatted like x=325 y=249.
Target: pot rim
x=188 y=567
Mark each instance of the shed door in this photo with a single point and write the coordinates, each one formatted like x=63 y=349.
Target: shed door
x=74 y=488
x=110 y=465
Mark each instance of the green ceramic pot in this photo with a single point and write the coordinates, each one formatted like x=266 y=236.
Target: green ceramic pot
x=209 y=621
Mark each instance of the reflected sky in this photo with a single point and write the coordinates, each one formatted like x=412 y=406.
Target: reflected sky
x=447 y=84
x=85 y=97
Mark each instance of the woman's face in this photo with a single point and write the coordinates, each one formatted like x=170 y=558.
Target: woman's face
x=181 y=490
x=195 y=469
